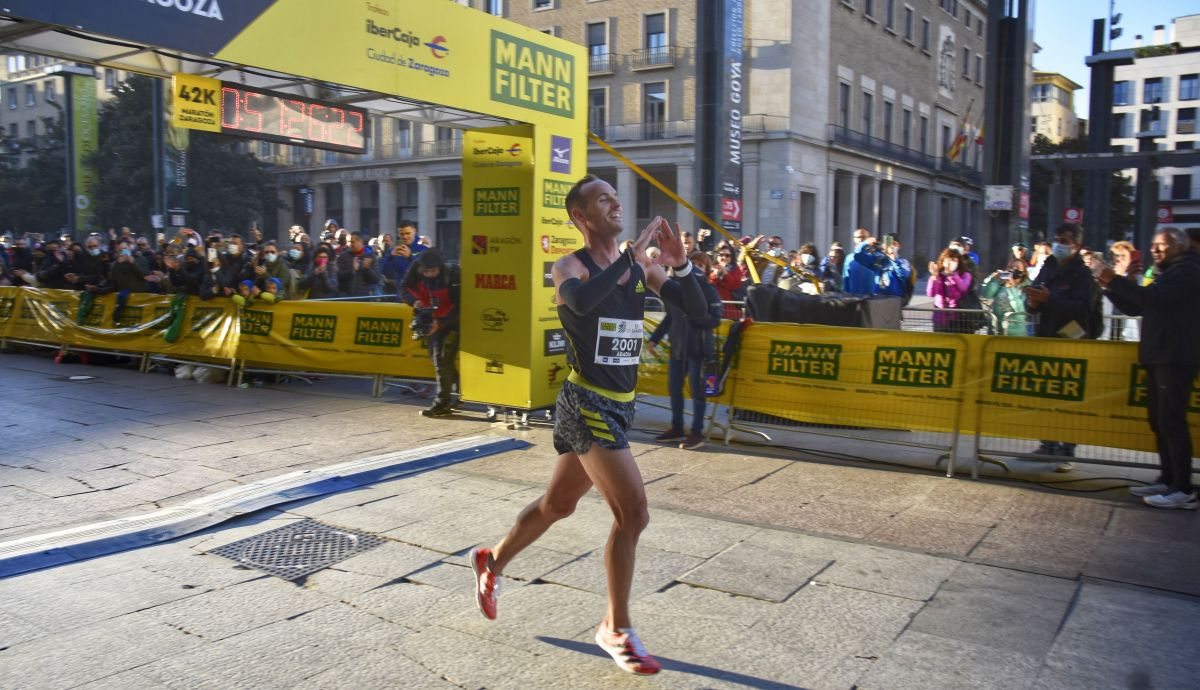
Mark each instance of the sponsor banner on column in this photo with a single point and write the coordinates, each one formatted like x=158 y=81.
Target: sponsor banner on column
x=365 y=338
x=1074 y=391
x=85 y=136
x=869 y=378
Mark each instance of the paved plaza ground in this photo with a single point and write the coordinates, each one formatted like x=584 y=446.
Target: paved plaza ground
x=762 y=567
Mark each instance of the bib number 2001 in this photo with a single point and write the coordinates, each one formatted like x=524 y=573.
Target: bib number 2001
x=618 y=341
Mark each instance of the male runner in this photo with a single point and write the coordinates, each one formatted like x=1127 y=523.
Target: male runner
x=600 y=293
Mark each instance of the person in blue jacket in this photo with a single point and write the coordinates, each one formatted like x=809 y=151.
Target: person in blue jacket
x=398 y=260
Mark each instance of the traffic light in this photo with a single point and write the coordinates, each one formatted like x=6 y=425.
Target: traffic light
x=1113 y=20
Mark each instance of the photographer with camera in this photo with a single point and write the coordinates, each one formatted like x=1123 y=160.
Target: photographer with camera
x=432 y=288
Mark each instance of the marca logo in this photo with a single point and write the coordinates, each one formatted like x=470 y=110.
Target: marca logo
x=555 y=342
x=529 y=75
x=804 y=360
x=920 y=367
x=1137 y=389
x=379 y=332
x=495 y=281
x=1060 y=378
x=560 y=154
x=256 y=322
x=316 y=328
x=554 y=194
x=438 y=47
x=203 y=8
x=497 y=201
x=203 y=317
x=493 y=319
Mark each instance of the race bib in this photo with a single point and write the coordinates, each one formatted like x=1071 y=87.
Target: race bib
x=618 y=341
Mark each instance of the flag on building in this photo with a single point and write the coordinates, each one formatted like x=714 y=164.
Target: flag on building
x=960 y=142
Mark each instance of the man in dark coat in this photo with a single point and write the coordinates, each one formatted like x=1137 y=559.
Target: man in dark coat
x=1170 y=314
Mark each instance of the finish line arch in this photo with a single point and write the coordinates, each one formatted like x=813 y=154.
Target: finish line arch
x=516 y=92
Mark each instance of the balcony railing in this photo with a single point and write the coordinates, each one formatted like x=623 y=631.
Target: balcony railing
x=962 y=172
x=844 y=136
x=605 y=63
x=653 y=58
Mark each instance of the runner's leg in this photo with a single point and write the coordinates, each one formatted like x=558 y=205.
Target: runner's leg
x=567 y=485
x=618 y=480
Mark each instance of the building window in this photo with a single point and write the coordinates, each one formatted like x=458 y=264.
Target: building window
x=946 y=137
x=654 y=109
x=11 y=94
x=889 y=14
x=494 y=7
x=966 y=54
x=1152 y=90
x=656 y=35
x=1123 y=93
x=979 y=69
x=923 y=135
x=1189 y=87
x=14 y=132
x=925 y=35
x=1039 y=93
x=264 y=149
x=31 y=128
x=869 y=8
x=888 y=109
x=597 y=111
x=906 y=128
x=49 y=90
x=908 y=24
x=404 y=137
x=868 y=107
x=1152 y=121
x=1122 y=125
x=949 y=6
x=1181 y=187
x=30 y=95
x=110 y=79
x=1189 y=145
x=597 y=41
x=967 y=19
x=1185 y=121
x=543 y=4
x=979 y=27
x=844 y=105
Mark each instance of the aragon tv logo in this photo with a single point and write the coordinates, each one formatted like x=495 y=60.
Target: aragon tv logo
x=438 y=47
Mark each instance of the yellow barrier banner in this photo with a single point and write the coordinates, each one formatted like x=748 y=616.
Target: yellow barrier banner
x=850 y=376
x=1073 y=391
x=350 y=337
x=653 y=369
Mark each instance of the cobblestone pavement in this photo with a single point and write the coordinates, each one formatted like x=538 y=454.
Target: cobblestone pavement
x=761 y=568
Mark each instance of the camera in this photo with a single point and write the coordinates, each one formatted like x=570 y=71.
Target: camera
x=422 y=322
x=1004 y=275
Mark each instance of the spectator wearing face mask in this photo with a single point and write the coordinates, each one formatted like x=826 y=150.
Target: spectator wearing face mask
x=91 y=270
x=185 y=272
x=802 y=272
x=321 y=281
x=831 y=268
x=1004 y=292
x=267 y=265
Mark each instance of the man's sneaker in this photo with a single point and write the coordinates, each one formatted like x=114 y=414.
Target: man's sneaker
x=692 y=442
x=626 y=649
x=1064 y=466
x=487 y=585
x=1149 y=490
x=670 y=436
x=437 y=411
x=1175 y=499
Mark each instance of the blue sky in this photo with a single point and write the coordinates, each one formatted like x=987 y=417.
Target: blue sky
x=1063 y=29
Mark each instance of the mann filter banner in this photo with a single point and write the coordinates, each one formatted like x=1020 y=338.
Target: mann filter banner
x=366 y=338
x=1075 y=391
x=495 y=351
x=870 y=378
x=85 y=141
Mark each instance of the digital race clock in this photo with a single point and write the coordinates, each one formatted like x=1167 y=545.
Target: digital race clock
x=219 y=106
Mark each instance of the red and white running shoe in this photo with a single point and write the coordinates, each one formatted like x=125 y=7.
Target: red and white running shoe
x=487 y=585
x=626 y=649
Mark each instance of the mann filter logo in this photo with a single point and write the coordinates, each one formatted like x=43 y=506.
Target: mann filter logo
x=1060 y=378
x=1137 y=389
x=204 y=317
x=498 y=201
x=314 y=328
x=556 y=342
x=379 y=332
x=804 y=360
x=920 y=367
x=130 y=316
x=209 y=9
x=528 y=75
x=95 y=317
x=256 y=322
x=554 y=193
x=560 y=154
x=496 y=281
x=6 y=307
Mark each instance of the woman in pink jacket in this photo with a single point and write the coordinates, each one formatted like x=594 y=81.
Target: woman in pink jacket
x=947 y=287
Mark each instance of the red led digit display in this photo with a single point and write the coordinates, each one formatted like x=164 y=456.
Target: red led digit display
x=291 y=119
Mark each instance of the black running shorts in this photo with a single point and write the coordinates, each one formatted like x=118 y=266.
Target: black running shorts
x=583 y=417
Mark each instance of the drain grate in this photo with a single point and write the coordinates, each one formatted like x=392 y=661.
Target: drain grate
x=299 y=549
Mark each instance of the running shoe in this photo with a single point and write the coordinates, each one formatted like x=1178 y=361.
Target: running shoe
x=626 y=649
x=1175 y=499
x=487 y=585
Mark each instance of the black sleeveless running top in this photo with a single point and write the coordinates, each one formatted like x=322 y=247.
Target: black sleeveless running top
x=605 y=344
